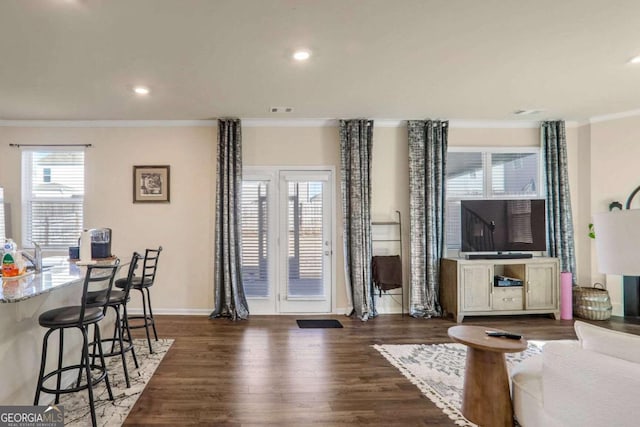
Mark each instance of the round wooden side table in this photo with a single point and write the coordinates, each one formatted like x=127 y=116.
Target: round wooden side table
x=486 y=399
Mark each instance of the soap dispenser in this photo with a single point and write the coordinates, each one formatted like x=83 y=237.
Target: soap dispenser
x=10 y=266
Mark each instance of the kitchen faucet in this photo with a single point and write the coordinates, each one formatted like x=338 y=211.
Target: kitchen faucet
x=36 y=259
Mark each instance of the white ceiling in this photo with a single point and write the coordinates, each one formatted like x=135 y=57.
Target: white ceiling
x=390 y=59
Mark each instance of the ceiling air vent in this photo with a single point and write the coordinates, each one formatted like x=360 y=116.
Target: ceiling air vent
x=527 y=112
x=281 y=109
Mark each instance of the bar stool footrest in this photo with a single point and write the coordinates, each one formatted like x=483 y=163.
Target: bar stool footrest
x=148 y=320
x=128 y=347
x=94 y=379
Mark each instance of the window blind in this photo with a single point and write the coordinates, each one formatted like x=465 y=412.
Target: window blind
x=305 y=245
x=52 y=197
x=3 y=232
x=255 y=248
x=514 y=175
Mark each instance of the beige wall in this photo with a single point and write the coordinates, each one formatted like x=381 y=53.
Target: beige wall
x=614 y=154
x=491 y=137
x=573 y=148
x=613 y=162
x=184 y=227
x=585 y=249
x=602 y=168
x=390 y=193
x=302 y=146
x=614 y=175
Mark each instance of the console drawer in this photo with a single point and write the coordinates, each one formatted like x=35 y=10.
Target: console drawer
x=507 y=298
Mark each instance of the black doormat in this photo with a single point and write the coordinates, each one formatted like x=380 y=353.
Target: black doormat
x=319 y=323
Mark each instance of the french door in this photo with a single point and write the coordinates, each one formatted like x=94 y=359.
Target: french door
x=287 y=240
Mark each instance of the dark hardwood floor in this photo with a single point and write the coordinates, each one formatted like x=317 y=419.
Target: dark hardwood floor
x=267 y=371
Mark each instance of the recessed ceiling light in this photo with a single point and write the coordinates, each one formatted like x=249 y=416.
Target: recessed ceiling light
x=141 y=90
x=635 y=60
x=301 y=55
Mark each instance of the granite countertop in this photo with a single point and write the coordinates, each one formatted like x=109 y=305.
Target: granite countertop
x=58 y=273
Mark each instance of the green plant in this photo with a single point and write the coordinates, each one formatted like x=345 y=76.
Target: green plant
x=592 y=231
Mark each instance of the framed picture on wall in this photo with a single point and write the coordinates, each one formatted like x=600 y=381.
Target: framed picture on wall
x=151 y=184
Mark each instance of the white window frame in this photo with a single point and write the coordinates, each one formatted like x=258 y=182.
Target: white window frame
x=541 y=189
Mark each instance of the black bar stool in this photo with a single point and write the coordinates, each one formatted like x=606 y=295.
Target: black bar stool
x=119 y=299
x=81 y=317
x=142 y=283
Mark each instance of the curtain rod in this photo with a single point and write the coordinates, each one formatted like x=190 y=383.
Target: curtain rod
x=50 y=145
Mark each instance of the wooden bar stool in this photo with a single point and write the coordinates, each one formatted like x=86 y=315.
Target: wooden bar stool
x=142 y=283
x=80 y=316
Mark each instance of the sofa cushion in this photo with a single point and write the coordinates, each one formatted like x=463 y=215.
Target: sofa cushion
x=526 y=391
x=583 y=388
x=605 y=341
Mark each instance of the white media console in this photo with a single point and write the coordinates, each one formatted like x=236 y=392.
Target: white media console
x=468 y=287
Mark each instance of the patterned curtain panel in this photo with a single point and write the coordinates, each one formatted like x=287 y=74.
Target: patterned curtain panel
x=559 y=218
x=230 y=300
x=427 y=170
x=356 y=141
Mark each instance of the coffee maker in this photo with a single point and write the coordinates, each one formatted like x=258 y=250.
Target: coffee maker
x=100 y=243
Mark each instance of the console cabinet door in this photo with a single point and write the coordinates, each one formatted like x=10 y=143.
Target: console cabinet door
x=542 y=286
x=476 y=285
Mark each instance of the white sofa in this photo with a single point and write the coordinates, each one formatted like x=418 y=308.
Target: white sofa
x=592 y=382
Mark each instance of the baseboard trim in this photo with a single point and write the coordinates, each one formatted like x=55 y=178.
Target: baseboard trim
x=174 y=311
x=206 y=311
x=617 y=309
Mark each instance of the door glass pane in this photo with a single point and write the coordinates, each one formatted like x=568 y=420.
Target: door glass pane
x=255 y=248
x=305 y=238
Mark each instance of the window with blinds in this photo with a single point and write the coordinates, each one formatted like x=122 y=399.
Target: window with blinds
x=488 y=174
x=3 y=231
x=255 y=248
x=52 y=198
x=304 y=236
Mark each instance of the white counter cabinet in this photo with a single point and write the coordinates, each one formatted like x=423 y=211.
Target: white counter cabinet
x=22 y=301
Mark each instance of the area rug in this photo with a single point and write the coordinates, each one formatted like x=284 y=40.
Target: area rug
x=113 y=413
x=319 y=323
x=438 y=371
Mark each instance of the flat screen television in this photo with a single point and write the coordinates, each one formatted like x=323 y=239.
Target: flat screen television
x=515 y=225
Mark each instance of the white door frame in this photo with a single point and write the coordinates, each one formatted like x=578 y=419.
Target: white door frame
x=271 y=305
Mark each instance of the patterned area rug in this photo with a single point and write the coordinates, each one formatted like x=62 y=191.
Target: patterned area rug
x=438 y=371
x=113 y=413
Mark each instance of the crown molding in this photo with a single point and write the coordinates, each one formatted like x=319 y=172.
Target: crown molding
x=289 y=123
x=391 y=123
x=292 y=122
x=479 y=124
x=494 y=124
x=614 y=116
x=106 y=123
